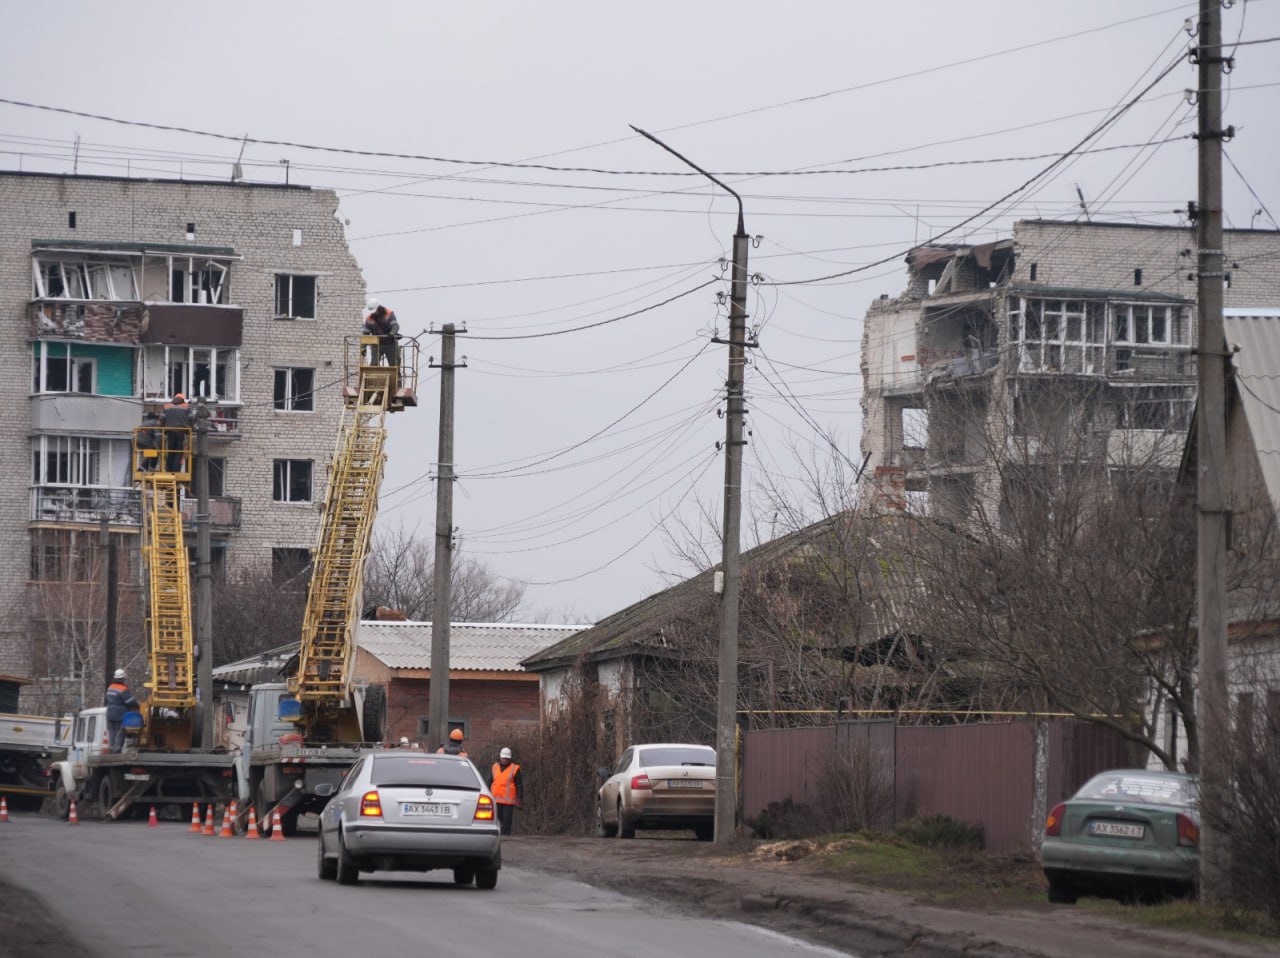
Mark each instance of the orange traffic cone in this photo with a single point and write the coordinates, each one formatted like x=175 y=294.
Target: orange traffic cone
x=208 y=821
x=152 y=821
x=252 y=830
x=72 y=818
x=277 y=830
x=4 y=809
x=195 y=818
x=226 y=831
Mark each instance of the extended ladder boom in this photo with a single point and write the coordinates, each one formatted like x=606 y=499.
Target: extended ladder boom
x=162 y=464
x=322 y=682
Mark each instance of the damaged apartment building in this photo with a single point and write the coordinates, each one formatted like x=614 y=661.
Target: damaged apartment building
x=1068 y=342
x=116 y=294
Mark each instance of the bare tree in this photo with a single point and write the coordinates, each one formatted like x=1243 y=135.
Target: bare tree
x=256 y=608
x=401 y=575
x=67 y=619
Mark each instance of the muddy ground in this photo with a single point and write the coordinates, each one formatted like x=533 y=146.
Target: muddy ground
x=786 y=886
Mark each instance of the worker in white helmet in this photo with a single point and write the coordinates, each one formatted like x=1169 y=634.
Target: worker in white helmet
x=507 y=788
x=119 y=700
x=381 y=322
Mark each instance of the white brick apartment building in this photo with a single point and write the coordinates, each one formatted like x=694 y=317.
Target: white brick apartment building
x=117 y=293
x=1079 y=332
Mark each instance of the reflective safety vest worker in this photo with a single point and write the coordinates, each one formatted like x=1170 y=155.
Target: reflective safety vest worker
x=504 y=784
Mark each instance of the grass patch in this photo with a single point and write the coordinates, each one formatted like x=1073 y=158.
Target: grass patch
x=1188 y=915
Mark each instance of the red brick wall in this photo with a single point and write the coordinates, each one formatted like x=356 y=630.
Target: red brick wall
x=490 y=707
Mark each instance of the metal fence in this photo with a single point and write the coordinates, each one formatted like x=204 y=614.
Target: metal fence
x=989 y=774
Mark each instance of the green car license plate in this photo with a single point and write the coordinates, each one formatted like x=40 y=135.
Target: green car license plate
x=1117 y=829
x=426 y=808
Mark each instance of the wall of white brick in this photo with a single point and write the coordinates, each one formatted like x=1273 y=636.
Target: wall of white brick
x=258 y=222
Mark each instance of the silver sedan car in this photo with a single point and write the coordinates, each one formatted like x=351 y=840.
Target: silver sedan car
x=410 y=811
x=663 y=786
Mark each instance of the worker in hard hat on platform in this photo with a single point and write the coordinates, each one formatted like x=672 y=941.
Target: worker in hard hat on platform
x=454 y=745
x=381 y=322
x=119 y=701
x=507 y=788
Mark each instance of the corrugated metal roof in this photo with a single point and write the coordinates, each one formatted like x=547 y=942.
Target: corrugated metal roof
x=264 y=667
x=1254 y=334
x=473 y=646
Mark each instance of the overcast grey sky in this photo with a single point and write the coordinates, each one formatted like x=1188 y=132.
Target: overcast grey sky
x=575 y=449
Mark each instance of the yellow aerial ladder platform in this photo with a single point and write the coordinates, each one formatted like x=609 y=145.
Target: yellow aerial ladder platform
x=162 y=464
x=321 y=686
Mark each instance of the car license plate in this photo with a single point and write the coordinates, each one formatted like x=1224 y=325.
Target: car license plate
x=137 y=777
x=425 y=808
x=684 y=783
x=1117 y=829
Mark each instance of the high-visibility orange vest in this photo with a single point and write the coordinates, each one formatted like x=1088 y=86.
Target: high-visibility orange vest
x=504 y=784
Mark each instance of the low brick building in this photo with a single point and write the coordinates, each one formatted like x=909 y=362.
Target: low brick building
x=490 y=693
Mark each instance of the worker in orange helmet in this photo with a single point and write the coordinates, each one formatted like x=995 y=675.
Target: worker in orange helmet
x=455 y=744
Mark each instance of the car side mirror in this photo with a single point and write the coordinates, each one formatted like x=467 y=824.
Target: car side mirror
x=603 y=771
x=325 y=789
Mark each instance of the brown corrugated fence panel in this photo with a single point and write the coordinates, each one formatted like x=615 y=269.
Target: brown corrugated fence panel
x=1077 y=752
x=976 y=773
x=981 y=774
x=782 y=763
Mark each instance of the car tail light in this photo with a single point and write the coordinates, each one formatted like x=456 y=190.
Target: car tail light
x=640 y=781
x=484 y=809
x=370 y=805
x=1188 y=831
x=1053 y=824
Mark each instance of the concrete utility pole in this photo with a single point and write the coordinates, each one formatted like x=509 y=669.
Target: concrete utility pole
x=438 y=716
x=727 y=688
x=1212 y=499
x=112 y=588
x=204 y=578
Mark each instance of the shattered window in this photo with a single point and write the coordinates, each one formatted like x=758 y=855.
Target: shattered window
x=295 y=297
x=291 y=480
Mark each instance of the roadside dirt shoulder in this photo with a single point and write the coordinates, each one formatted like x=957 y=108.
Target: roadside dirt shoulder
x=797 y=898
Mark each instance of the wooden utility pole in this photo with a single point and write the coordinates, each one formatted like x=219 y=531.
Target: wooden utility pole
x=1212 y=499
x=727 y=583
x=438 y=712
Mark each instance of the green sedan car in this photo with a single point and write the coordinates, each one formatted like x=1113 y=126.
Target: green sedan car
x=1129 y=833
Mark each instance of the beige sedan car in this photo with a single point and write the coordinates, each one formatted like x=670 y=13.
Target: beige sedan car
x=662 y=786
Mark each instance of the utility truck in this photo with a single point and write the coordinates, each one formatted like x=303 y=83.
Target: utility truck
x=306 y=732
x=163 y=761
x=28 y=743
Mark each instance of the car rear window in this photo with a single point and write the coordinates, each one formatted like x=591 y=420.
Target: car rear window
x=1140 y=789
x=423 y=770
x=676 y=755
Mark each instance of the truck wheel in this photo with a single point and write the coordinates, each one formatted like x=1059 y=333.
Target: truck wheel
x=61 y=801
x=289 y=822
x=375 y=713
x=106 y=797
x=348 y=873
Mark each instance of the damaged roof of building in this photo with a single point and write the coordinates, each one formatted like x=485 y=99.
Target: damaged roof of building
x=640 y=628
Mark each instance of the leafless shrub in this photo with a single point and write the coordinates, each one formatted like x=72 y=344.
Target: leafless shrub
x=559 y=761
x=856 y=788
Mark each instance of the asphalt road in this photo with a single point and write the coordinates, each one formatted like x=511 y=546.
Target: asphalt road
x=107 y=889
